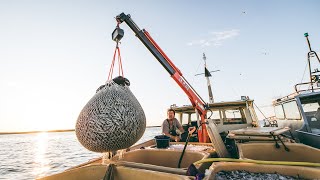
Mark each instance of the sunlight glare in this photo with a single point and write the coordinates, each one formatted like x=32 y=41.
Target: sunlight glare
x=41 y=163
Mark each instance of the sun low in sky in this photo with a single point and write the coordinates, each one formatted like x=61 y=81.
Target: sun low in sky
x=55 y=54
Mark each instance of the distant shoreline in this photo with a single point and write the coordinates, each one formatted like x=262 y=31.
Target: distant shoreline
x=49 y=131
x=152 y=126
x=31 y=132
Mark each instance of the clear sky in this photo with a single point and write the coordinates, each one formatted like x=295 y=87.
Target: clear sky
x=55 y=54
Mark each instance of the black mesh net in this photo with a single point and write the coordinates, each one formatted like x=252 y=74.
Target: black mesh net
x=113 y=119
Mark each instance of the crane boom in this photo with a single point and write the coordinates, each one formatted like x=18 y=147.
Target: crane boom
x=197 y=102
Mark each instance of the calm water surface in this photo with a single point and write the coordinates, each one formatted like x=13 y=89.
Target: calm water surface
x=30 y=156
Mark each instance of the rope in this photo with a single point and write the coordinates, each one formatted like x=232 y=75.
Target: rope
x=112 y=64
x=259 y=110
x=289 y=163
x=109 y=175
x=120 y=62
x=116 y=53
x=304 y=72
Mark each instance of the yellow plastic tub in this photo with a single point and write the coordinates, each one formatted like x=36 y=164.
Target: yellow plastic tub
x=97 y=172
x=301 y=171
x=268 y=152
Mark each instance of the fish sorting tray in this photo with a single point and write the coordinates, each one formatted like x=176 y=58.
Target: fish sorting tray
x=97 y=172
x=268 y=152
x=166 y=158
x=265 y=171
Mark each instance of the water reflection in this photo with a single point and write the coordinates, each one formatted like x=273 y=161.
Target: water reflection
x=41 y=163
x=31 y=156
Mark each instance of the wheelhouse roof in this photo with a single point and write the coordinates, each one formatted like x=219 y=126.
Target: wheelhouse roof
x=217 y=105
x=305 y=96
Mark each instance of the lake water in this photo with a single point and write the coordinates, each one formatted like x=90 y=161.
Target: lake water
x=30 y=156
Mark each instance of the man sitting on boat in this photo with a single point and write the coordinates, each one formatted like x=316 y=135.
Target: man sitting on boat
x=171 y=127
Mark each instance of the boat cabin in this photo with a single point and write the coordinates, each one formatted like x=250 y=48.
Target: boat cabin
x=301 y=113
x=229 y=115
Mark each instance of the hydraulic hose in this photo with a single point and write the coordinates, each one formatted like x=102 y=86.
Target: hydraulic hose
x=290 y=163
x=185 y=145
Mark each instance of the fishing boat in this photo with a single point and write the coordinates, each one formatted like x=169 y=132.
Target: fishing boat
x=300 y=111
x=146 y=161
x=161 y=159
x=151 y=159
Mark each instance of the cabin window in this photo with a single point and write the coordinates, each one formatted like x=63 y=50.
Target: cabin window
x=278 y=111
x=215 y=116
x=234 y=116
x=194 y=117
x=310 y=110
x=183 y=119
x=291 y=110
x=310 y=107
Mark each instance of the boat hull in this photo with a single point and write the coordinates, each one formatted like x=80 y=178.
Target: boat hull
x=309 y=138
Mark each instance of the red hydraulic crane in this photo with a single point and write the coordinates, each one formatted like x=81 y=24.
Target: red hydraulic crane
x=174 y=72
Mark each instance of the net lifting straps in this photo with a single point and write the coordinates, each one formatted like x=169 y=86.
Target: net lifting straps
x=113 y=119
x=116 y=52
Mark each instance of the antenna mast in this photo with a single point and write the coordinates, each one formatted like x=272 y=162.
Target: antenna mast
x=207 y=74
x=314 y=76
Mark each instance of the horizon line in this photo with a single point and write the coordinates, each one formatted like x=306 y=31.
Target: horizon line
x=48 y=131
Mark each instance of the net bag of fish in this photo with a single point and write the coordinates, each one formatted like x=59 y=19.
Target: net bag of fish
x=113 y=118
